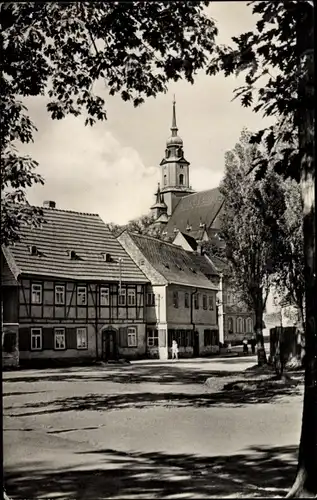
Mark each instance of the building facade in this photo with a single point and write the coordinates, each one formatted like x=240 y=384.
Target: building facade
x=71 y=294
x=180 y=299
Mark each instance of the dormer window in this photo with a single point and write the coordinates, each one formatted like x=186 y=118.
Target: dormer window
x=33 y=250
x=107 y=257
x=73 y=255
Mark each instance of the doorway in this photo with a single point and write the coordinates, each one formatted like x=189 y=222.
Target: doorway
x=196 y=344
x=109 y=345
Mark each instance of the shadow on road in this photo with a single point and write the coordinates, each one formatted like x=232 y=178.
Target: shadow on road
x=142 y=400
x=260 y=472
x=130 y=374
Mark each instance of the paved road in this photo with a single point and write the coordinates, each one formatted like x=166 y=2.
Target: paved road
x=146 y=430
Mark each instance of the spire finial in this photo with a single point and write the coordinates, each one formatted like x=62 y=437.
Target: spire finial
x=174 y=126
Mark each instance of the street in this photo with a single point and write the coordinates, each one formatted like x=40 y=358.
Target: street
x=146 y=430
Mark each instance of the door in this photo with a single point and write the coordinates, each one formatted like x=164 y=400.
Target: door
x=196 y=343
x=109 y=347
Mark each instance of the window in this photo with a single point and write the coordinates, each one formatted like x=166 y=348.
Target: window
x=150 y=299
x=36 y=339
x=211 y=337
x=59 y=295
x=104 y=296
x=230 y=298
x=240 y=325
x=196 y=301
x=132 y=340
x=175 y=299
x=131 y=297
x=152 y=337
x=81 y=296
x=59 y=339
x=36 y=294
x=204 y=301
x=186 y=300
x=122 y=297
x=211 y=303
x=181 y=179
x=82 y=341
x=230 y=325
x=165 y=180
x=249 y=325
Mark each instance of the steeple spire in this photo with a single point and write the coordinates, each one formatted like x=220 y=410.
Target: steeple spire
x=158 y=194
x=174 y=128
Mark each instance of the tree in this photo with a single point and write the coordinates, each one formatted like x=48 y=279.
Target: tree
x=278 y=57
x=63 y=49
x=289 y=275
x=142 y=225
x=248 y=205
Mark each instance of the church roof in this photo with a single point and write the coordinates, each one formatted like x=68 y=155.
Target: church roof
x=174 y=263
x=196 y=209
x=66 y=233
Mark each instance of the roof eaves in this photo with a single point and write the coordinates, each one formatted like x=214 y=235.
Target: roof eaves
x=16 y=271
x=211 y=287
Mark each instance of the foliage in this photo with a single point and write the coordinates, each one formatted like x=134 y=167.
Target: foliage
x=252 y=209
x=63 y=49
x=290 y=248
x=142 y=225
x=270 y=58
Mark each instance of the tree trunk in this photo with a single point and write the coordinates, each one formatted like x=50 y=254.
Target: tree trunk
x=306 y=478
x=259 y=331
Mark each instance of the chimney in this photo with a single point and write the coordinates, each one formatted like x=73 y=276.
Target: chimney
x=49 y=204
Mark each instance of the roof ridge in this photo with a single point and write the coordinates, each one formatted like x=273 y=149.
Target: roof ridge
x=200 y=192
x=156 y=239
x=67 y=211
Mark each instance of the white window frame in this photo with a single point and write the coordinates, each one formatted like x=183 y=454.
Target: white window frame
x=36 y=291
x=132 y=333
x=205 y=302
x=57 y=332
x=240 y=325
x=211 y=303
x=82 y=331
x=80 y=290
x=152 y=335
x=176 y=299
x=60 y=292
x=230 y=323
x=131 y=297
x=249 y=323
x=104 y=296
x=37 y=335
x=122 y=294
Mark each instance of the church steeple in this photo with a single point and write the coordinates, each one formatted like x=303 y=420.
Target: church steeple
x=174 y=170
x=174 y=128
x=159 y=206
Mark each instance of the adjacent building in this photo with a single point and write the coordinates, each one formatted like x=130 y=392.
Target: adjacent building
x=71 y=293
x=181 y=298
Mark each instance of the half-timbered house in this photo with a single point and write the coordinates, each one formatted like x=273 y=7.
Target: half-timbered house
x=71 y=293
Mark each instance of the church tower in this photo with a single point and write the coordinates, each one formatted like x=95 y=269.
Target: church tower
x=175 y=169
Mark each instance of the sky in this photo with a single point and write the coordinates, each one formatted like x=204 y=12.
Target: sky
x=113 y=168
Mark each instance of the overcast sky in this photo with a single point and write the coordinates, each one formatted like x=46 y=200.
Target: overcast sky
x=113 y=168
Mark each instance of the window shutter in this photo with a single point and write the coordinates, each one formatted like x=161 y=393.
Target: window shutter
x=123 y=337
x=24 y=339
x=48 y=338
x=71 y=338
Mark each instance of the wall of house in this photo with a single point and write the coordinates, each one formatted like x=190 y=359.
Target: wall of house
x=70 y=315
x=179 y=319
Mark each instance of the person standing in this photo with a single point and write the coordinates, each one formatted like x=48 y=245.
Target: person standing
x=174 y=350
x=245 y=346
x=252 y=342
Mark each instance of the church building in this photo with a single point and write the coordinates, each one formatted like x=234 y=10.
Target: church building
x=188 y=219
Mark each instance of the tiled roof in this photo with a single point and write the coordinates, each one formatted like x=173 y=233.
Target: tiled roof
x=202 y=207
x=174 y=263
x=220 y=264
x=65 y=231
